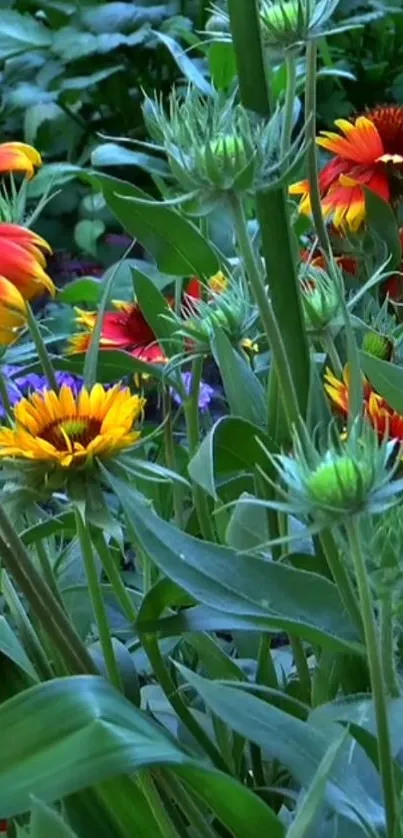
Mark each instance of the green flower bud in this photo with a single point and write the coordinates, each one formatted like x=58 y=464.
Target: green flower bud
x=380 y=346
x=341 y=482
x=320 y=298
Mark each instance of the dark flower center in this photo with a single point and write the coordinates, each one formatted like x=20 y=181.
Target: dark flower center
x=389 y=122
x=76 y=429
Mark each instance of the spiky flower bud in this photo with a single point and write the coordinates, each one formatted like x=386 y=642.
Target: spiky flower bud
x=321 y=298
x=380 y=346
x=215 y=147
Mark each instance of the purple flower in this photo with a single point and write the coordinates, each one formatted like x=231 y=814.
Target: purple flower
x=19 y=386
x=206 y=392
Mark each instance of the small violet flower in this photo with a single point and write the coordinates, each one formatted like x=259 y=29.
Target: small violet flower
x=206 y=392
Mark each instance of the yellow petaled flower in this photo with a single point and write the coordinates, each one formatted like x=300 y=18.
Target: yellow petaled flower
x=218 y=283
x=67 y=430
x=13 y=312
x=19 y=157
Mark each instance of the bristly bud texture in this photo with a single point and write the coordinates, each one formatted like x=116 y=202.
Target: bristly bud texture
x=321 y=298
x=215 y=147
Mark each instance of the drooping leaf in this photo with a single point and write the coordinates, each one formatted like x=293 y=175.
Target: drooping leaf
x=112 y=154
x=243 y=389
x=188 y=66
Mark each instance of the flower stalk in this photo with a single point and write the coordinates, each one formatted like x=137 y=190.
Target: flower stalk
x=40 y=347
x=191 y=410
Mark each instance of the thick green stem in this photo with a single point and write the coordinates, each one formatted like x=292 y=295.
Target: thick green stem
x=387 y=647
x=40 y=347
x=97 y=602
x=269 y=322
x=288 y=111
x=341 y=578
x=150 y=645
x=170 y=459
x=385 y=759
x=312 y=160
x=42 y=602
x=191 y=410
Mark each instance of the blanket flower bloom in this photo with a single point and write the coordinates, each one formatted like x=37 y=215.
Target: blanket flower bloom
x=19 y=157
x=67 y=430
x=367 y=152
x=13 y=312
x=23 y=261
x=125 y=329
x=379 y=414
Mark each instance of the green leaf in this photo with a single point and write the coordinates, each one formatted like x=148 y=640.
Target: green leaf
x=245 y=394
x=175 y=243
x=46 y=823
x=248 y=526
x=112 y=365
x=294 y=743
x=382 y=221
x=11 y=647
x=188 y=67
x=386 y=378
x=21 y=33
x=89 y=81
x=80 y=291
x=221 y=455
x=292 y=600
x=86 y=234
x=156 y=310
x=221 y=59
x=112 y=154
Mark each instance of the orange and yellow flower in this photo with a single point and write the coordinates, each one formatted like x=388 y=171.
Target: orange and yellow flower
x=367 y=152
x=13 y=312
x=67 y=430
x=19 y=157
x=22 y=260
x=386 y=421
x=125 y=329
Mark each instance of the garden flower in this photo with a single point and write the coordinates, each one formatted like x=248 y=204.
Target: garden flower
x=67 y=430
x=125 y=329
x=13 y=315
x=320 y=295
x=379 y=414
x=19 y=157
x=22 y=260
x=367 y=152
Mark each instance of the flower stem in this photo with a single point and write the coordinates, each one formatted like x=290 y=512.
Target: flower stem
x=119 y=588
x=191 y=410
x=341 y=578
x=332 y=353
x=42 y=602
x=40 y=347
x=288 y=111
x=377 y=679
x=387 y=651
x=312 y=160
x=267 y=316
x=170 y=459
x=97 y=602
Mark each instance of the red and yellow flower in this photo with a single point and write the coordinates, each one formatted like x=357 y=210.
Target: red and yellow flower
x=367 y=152
x=125 y=329
x=68 y=430
x=386 y=421
x=23 y=261
x=13 y=312
x=19 y=157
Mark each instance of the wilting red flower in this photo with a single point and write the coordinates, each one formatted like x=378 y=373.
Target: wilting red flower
x=125 y=329
x=22 y=260
x=386 y=421
x=368 y=152
x=19 y=157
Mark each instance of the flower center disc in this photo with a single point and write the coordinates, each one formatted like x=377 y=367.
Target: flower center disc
x=81 y=430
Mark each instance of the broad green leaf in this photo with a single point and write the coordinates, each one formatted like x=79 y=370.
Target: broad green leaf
x=47 y=729
x=175 y=243
x=46 y=823
x=248 y=526
x=231 y=447
x=296 y=744
x=156 y=311
x=112 y=154
x=11 y=647
x=85 y=82
x=70 y=45
x=386 y=378
x=381 y=219
x=244 y=392
x=80 y=291
x=189 y=68
x=221 y=59
x=21 y=33
x=86 y=234
x=237 y=584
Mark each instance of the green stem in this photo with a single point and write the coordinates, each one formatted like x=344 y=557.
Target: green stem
x=312 y=159
x=97 y=602
x=5 y=399
x=162 y=675
x=170 y=458
x=387 y=648
x=40 y=347
x=288 y=112
x=47 y=571
x=377 y=679
x=301 y=665
x=42 y=602
x=114 y=577
x=341 y=578
x=332 y=353
x=191 y=410
x=267 y=316
x=146 y=784
x=175 y=788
